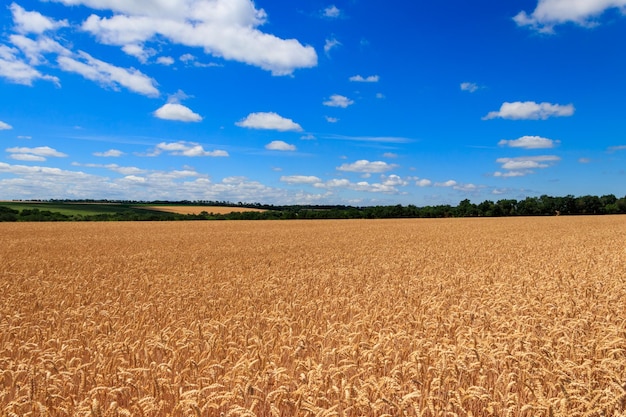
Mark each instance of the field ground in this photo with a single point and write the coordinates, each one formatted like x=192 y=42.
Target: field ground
x=200 y=209
x=449 y=317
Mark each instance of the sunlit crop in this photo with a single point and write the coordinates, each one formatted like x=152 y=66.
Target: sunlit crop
x=450 y=317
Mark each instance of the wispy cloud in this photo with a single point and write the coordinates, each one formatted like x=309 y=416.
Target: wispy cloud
x=470 y=87
x=368 y=79
x=380 y=139
x=331 y=44
x=109 y=75
x=5 y=126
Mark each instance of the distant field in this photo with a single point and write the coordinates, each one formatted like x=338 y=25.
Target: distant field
x=200 y=209
x=518 y=317
x=85 y=209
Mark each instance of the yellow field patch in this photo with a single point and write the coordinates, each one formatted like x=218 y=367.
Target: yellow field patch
x=466 y=317
x=200 y=209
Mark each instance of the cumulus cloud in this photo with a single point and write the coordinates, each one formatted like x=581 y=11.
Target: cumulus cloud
x=269 y=121
x=387 y=185
x=330 y=119
x=524 y=165
x=550 y=13
x=39 y=153
x=367 y=167
x=368 y=79
x=449 y=183
x=165 y=60
x=300 y=179
x=182 y=148
x=337 y=100
x=111 y=153
x=423 y=182
x=471 y=87
x=529 y=110
x=228 y=29
x=33 y=22
x=530 y=142
x=5 y=126
x=176 y=111
x=109 y=75
x=279 y=145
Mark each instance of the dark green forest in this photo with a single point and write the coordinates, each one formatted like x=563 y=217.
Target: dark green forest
x=106 y=210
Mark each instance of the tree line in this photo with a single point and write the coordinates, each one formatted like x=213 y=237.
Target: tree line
x=531 y=206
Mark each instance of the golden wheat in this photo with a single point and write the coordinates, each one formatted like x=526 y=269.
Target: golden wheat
x=457 y=317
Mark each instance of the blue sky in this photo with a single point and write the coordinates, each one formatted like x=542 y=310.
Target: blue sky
x=318 y=102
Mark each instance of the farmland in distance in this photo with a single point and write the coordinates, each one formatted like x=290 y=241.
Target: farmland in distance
x=415 y=317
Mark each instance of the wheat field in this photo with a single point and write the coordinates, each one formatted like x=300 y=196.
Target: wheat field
x=447 y=317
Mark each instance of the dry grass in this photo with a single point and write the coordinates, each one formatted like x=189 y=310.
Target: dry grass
x=200 y=209
x=461 y=317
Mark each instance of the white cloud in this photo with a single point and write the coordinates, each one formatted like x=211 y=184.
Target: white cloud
x=550 y=13
x=176 y=111
x=381 y=139
x=388 y=185
x=361 y=79
x=365 y=166
x=337 y=100
x=530 y=142
x=471 y=87
x=223 y=28
x=300 y=179
x=279 y=145
x=17 y=71
x=390 y=155
x=5 y=126
x=269 y=121
x=39 y=153
x=449 y=183
x=33 y=22
x=616 y=148
x=424 y=183
x=308 y=136
x=165 y=60
x=331 y=44
x=529 y=110
x=330 y=119
x=139 y=52
x=524 y=165
x=331 y=11
x=109 y=75
x=182 y=148
x=35 y=50
x=111 y=153
x=28 y=182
